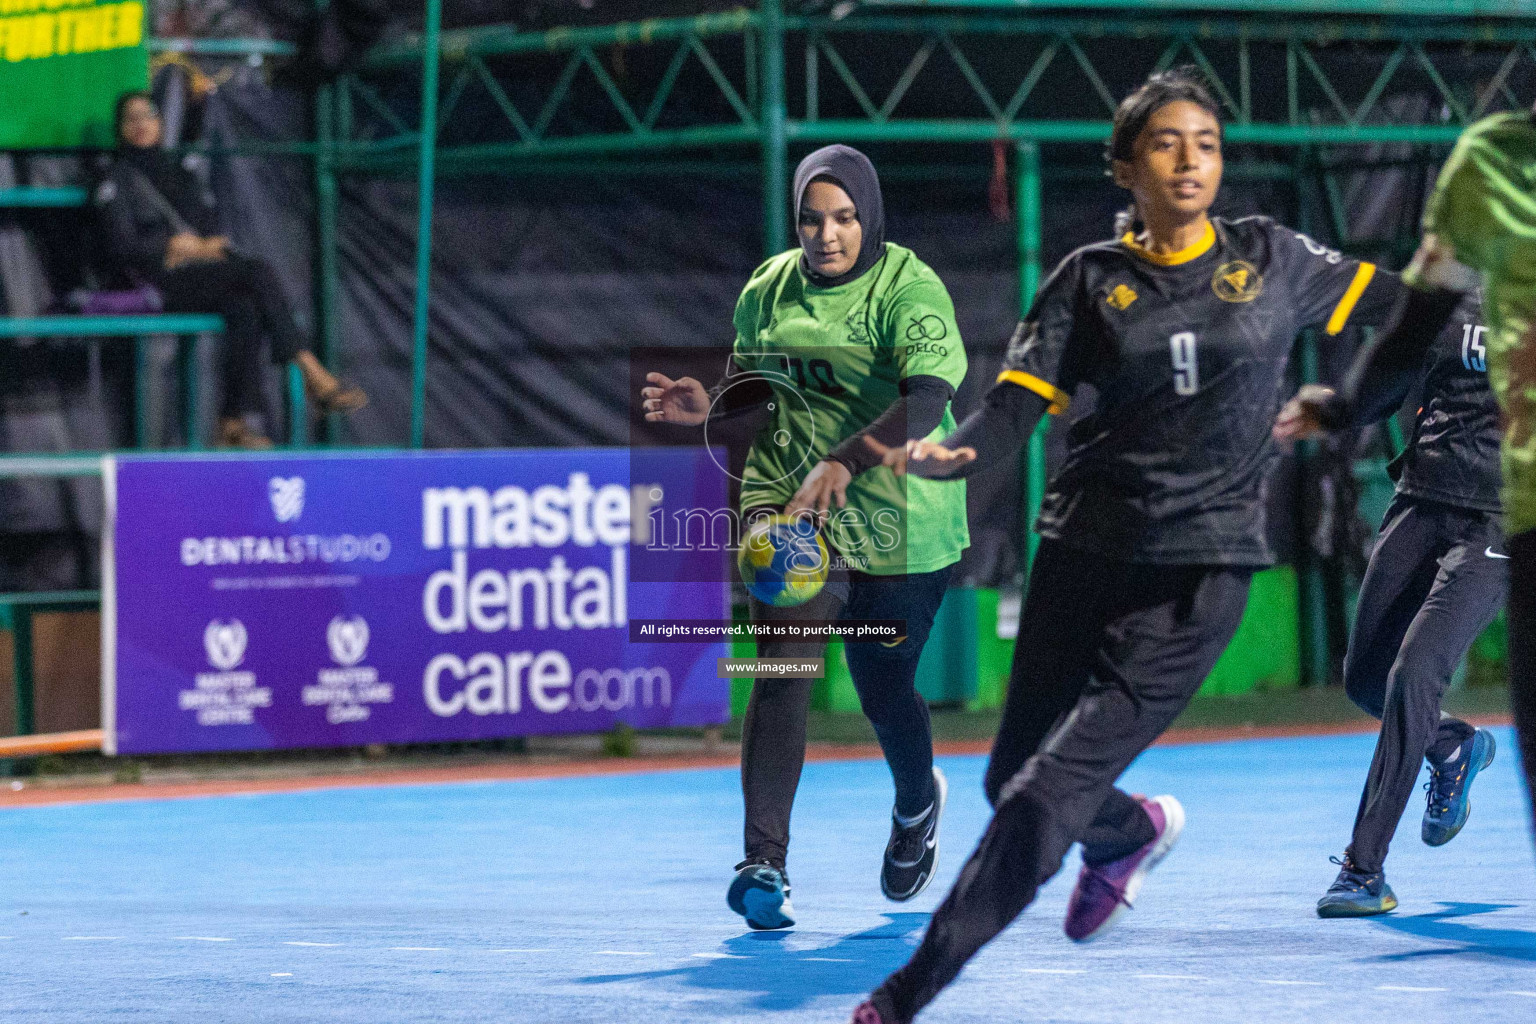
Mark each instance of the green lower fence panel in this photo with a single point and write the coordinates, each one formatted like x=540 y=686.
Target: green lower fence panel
x=994 y=652
x=1266 y=652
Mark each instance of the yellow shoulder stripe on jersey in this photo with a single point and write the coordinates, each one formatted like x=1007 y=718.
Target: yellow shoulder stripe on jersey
x=1058 y=398
x=1352 y=295
x=1173 y=259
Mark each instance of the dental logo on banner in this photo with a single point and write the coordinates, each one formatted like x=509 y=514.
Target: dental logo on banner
x=396 y=598
x=287 y=498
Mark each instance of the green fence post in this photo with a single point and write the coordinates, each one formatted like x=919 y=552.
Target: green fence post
x=21 y=659
x=298 y=409
x=327 y=204
x=426 y=155
x=1315 y=641
x=774 y=139
x=1028 y=219
x=141 y=392
x=187 y=368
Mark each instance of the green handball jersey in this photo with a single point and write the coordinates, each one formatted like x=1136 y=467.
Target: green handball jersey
x=1484 y=208
x=835 y=358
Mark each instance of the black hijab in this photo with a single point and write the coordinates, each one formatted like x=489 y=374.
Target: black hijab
x=853 y=172
x=164 y=171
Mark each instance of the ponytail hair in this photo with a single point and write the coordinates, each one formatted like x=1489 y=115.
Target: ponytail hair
x=1131 y=117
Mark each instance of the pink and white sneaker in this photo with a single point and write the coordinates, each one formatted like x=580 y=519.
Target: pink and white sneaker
x=867 y=1014
x=1105 y=892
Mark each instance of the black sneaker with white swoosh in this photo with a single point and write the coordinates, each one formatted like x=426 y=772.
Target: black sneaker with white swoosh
x=913 y=850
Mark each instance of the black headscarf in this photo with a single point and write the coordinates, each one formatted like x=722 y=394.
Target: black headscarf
x=855 y=175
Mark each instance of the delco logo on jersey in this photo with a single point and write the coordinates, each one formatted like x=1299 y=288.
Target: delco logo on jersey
x=1121 y=297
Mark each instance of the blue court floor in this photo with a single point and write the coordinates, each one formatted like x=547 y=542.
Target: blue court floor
x=602 y=900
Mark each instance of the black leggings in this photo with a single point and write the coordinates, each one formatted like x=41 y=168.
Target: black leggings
x=1109 y=653
x=1430 y=589
x=773 y=734
x=246 y=293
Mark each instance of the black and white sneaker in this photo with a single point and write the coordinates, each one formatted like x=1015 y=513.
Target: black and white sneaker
x=913 y=852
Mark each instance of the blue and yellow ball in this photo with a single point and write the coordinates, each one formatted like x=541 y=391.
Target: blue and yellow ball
x=783 y=561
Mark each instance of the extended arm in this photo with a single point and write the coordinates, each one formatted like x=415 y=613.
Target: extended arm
x=914 y=415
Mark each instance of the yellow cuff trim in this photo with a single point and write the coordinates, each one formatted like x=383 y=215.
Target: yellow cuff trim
x=1352 y=295
x=1058 y=398
x=1173 y=259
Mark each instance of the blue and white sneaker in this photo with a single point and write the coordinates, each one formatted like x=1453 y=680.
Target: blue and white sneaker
x=760 y=893
x=1355 y=893
x=1449 y=787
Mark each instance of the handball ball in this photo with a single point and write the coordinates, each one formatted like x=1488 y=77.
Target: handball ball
x=783 y=561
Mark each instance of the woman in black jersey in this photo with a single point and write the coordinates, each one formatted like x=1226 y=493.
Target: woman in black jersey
x=1437 y=577
x=1152 y=527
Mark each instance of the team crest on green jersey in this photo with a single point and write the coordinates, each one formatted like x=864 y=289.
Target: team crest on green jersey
x=858 y=327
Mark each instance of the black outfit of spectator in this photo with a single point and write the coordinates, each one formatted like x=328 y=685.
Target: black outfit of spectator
x=146 y=199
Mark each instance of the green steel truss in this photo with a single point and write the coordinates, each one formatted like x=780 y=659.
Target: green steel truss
x=935 y=77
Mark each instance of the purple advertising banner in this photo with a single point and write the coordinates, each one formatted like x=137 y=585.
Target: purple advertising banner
x=344 y=599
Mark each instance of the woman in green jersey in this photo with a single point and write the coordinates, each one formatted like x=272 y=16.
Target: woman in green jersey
x=851 y=343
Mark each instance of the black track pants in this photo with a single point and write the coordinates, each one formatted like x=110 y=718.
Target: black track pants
x=1436 y=579
x=773 y=733
x=1109 y=653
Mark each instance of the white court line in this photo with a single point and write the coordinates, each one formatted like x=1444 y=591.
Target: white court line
x=1174 y=977
x=1277 y=981
x=327 y=944
x=621 y=952
x=1051 y=970
x=91 y=938
x=418 y=949
x=719 y=956
x=1405 y=988
x=202 y=938
x=1514 y=992
x=282 y=974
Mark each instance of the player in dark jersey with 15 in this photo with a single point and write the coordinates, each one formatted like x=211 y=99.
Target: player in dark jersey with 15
x=1151 y=528
x=1438 y=575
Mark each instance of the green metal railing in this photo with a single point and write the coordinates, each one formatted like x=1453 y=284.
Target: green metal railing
x=188 y=328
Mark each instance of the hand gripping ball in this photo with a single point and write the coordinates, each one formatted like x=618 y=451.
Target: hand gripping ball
x=783 y=560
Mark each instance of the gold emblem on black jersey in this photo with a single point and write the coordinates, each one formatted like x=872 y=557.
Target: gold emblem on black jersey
x=1121 y=297
x=1237 y=281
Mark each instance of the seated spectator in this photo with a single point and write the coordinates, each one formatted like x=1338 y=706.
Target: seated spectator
x=162 y=228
